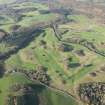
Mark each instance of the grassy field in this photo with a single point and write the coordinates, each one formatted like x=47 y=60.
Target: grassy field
x=83 y=27
x=6 y=1
x=53 y=59
x=50 y=97
x=36 y=17
x=29 y=17
x=32 y=17
x=44 y=50
x=30 y=5
x=33 y=55
x=8 y=81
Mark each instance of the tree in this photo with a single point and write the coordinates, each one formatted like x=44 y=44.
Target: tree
x=2 y=69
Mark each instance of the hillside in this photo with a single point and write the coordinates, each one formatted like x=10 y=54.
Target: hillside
x=6 y=1
x=51 y=56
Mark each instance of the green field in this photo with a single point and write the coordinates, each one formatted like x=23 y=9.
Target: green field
x=6 y=1
x=64 y=63
x=34 y=54
x=50 y=96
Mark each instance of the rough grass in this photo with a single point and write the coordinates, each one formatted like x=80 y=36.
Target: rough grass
x=29 y=5
x=32 y=17
x=86 y=28
x=52 y=58
x=8 y=81
x=6 y=1
x=46 y=95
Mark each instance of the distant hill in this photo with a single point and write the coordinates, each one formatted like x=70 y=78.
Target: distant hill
x=6 y=1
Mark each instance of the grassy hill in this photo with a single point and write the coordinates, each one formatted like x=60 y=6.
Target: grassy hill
x=71 y=48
